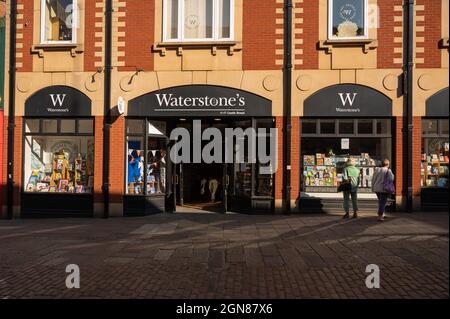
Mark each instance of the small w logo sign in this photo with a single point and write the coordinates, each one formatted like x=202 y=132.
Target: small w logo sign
x=347 y=98
x=58 y=99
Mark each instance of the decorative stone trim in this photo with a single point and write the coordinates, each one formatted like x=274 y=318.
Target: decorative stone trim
x=366 y=44
x=74 y=48
x=162 y=47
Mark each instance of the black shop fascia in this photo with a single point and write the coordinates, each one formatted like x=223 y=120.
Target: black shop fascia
x=153 y=183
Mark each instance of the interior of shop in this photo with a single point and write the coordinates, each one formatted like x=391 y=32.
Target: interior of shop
x=203 y=186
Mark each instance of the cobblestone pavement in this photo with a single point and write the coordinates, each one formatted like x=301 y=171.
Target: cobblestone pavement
x=226 y=256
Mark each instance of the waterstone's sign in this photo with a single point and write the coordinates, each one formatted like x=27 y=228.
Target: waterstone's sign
x=348 y=100
x=57 y=101
x=200 y=100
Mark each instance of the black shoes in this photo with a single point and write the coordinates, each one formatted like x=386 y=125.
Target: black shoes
x=347 y=215
x=355 y=215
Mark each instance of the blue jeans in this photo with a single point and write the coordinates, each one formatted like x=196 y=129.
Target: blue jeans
x=382 y=201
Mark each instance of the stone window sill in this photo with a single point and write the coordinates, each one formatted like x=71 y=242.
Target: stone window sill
x=72 y=47
x=366 y=44
x=231 y=46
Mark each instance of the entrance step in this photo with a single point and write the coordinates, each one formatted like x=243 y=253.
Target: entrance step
x=187 y=209
x=328 y=205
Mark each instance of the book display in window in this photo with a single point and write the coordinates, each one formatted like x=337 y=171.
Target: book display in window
x=62 y=175
x=324 y=172
x=435 y=167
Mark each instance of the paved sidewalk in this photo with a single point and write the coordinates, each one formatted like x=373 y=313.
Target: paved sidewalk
x=226 y=256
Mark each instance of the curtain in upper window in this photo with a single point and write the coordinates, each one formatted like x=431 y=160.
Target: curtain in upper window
x=224 y=18
x=198 y=19
x=172 y=19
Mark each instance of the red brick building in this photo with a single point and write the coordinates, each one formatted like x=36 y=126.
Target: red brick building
x=177 y=62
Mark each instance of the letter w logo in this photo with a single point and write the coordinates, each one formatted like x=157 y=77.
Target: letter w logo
x=348 y=98
x=58 y=99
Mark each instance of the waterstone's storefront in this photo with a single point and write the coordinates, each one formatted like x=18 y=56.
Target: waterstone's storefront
x=340 y=122
x=435 y=152
x=58 y=153
x=196 y=116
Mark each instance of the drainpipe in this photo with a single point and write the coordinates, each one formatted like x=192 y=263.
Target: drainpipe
x=287 y=82
x=408 y=73
x=11 y=109
x=107 y=106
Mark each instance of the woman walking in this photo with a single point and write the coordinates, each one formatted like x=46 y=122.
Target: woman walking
x=352 y=176
x=383 y=186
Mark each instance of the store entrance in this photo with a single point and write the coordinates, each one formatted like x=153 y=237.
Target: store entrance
x=201 y=187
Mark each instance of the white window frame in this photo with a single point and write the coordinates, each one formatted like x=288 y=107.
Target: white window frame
x=215 y=22
x=74 y=25
x=330 y=23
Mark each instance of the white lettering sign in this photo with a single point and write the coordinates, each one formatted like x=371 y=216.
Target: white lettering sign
x=169 y=100
x=347 y=98
x=58 y=102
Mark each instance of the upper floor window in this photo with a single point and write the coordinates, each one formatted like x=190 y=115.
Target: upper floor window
x=347 y=19
x=58 y=21
x=198 y=20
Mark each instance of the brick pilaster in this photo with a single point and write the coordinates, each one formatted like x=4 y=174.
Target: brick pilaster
x=98 y=159
x=295 y=158
x=117 y=160
x=279 y=173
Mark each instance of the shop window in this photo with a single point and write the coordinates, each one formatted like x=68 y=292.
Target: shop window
x=264 y=182
x=328 y=127
x=135 y=166
x=435 y=157
x=346 y=127
x=135 y=126
x=383 y=126
x=156 y=165
x=68 y=126
x=32 y=126
x=347 y=19
x=243 y=171
x=49 y=126
x=324 y=155
x=443 y=127
x=309 y=127
x=85 y=126
x=55 y=163
x=365 y=126
x=58 y=21
x=429 y=127
x=146 y=157
x=198 y=20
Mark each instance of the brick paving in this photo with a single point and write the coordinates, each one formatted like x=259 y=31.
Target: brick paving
x=226 y=256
